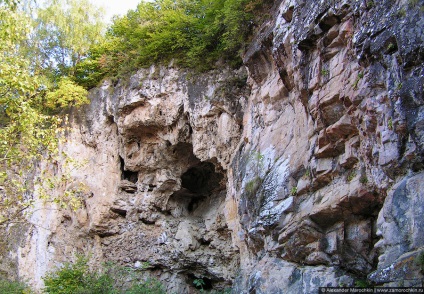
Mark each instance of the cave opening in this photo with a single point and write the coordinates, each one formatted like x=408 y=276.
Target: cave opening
x=202 y=179
x=200 y=283
x=127 y=174
x=200 y=182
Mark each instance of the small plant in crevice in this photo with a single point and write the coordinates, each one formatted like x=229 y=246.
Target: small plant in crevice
x=258 y=160
x=199 y=283
x=399 y=86
x=293 y=191
x=390 y=47
x=351 y=176
x=362 y=284
x=307 y=173
x=252 y=185
x=412 y=3
x=363 y=179
x=358 y=78
x=401 y=12
x=390 y=124
x=325 y=72
x=419 y=260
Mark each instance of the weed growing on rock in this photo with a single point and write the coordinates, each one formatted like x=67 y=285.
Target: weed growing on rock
x=401 y=12
x=252 y=185
x=390 y=124
x=325 y=72
x=199 y=283
x=362 y=284
x=412 y=3
x=293 y=191
x=419 y=260
x=351 y=176
x=355 y=84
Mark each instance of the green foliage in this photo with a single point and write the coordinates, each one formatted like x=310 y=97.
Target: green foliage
x=359 y=77
x=67 y=94
x=199 y=283
x=257 y=158
x=390 y=124
x=11 y=287
x=420 y=261
x=413 y=3
x=194 y=34
x=64 y=31
x=26 y=133
x=351 y=176
x=401 y=12
x=293 y=191
x=78 y=278
x=252 y=185
x=362 y=284
x=150 y=286
x=307 y=173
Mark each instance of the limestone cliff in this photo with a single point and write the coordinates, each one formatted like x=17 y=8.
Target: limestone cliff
x=302 y=169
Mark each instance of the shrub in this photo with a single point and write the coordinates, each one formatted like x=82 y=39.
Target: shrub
x=13 y=287
x=66 y=94
x=150 y=286
x=75 y=278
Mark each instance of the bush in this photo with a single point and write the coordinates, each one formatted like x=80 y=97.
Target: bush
x=150 y=286
x=77 y=278
x=67 y=94
x=12 y=287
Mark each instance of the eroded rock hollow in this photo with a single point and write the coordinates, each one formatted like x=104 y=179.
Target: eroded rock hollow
x=302 y=169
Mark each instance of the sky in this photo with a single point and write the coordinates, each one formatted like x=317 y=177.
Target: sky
x=114 y=7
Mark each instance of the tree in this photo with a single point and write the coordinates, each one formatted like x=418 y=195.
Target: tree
x=28 y=133
x=64 y=32
x=193 y=33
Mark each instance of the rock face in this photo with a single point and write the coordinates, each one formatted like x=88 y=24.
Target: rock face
x=302 y=169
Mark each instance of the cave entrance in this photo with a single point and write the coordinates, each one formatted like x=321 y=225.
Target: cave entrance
x=202 y=179
x=199 y=182
x=127 y=174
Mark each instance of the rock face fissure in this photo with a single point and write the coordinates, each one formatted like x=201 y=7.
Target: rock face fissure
x=302 y=169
